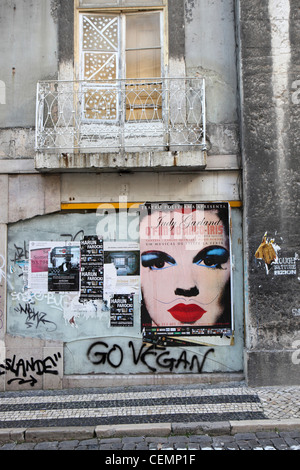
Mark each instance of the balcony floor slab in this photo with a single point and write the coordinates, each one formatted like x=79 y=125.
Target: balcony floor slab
x=123 y=161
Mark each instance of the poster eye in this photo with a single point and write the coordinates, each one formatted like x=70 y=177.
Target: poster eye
x=212 y=257
x=157 y=260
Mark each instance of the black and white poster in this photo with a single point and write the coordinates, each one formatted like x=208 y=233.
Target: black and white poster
x=91 y=268
x=63 y=268
x=121 y=310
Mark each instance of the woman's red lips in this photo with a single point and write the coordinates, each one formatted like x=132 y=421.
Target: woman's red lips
x=187 y=313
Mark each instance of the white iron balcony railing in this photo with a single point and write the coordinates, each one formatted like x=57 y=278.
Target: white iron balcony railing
x=120 y=115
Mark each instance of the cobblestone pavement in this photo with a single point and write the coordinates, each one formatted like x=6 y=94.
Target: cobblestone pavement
x=279 y=402
x=135 y=406
x=266 y=440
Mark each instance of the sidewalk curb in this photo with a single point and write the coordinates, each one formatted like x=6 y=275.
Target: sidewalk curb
x=134 y=430
x=210 y=428
x=234 y=427
x=265 y=425
x=49 y=434
x=44 y=434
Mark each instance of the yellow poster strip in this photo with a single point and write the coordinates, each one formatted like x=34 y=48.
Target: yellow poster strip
x=117 y=205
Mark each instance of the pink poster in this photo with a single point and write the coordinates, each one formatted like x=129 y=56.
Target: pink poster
x=39 y=260
x=185 y=269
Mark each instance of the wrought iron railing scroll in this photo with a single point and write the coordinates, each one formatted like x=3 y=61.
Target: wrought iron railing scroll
x=114 y=115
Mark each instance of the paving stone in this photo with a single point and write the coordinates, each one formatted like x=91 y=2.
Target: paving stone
x=141 y=446
x=46 y=446
x=252 y=442
x=93 y=447
x=291 y=434
x=202 y=439
x=156 y=439
x=112 y=440
x=130 y=440
x=129 y=446
x=193 y=446
x=89 y=442
x=243 y=445
x=290 y=441
x=167 y=446
x=106 y=447
x=266 y=434
x=152 y=446
x=231 y=446
x=279 y=443
x=175 y=439
x=221 y=440
x=10 y=446
x=181 y=445
x=246 y=436
x=68 y=445
x=266 y=442
x=25 y=446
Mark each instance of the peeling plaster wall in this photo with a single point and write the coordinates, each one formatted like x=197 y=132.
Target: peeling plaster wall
x=25 y=196
x=270 y=146
x=210 y=51
x=31 y=202
x=46 y=321
x=28 y=51
x=201 y=43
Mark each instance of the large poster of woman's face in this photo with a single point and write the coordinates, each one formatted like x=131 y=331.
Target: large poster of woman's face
x=185 y=269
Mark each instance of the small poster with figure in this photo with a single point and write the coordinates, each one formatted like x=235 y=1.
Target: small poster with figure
x=63 y=268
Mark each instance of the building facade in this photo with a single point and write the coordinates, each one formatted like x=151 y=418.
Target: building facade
x=149 y=222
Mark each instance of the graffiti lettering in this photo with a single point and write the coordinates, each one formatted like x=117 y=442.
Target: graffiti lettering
x=21 y=253
x=73 y=238
x=35 y=318
x=59 y=302
x=164 y=361
x=143 y=354
x=3 y=272
x=23 y=369
x=153 y=357
x=2 y=267
x=296 y=353
x=32 y=381
x=97 y=357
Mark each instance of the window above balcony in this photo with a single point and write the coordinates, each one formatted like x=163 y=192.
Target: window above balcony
x=122 y=110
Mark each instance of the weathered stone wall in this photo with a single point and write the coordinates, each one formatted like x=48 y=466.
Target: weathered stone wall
x=269 y=66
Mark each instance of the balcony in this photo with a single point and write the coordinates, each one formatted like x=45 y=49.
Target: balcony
x=120 y=124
